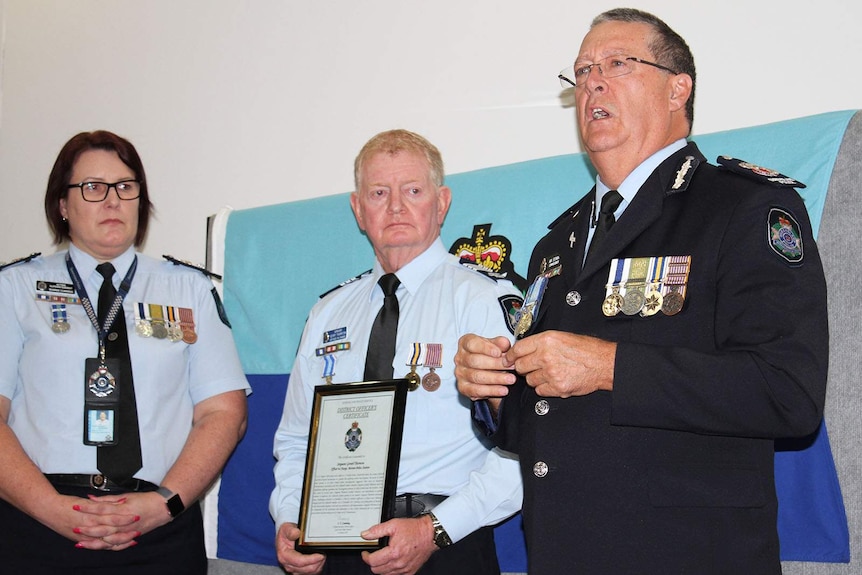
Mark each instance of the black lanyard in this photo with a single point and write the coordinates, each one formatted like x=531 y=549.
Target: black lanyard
x=116 y=305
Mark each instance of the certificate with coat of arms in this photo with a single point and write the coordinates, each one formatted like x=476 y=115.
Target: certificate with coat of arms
x=351 y=467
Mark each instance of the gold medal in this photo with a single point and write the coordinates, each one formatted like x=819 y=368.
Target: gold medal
x=652 y=303
x=653 y=297
x=612 y=304
x=524 y=322
x=412 y=379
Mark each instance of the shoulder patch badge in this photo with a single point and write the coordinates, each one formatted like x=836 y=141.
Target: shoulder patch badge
x=488 y=255
x=184 y=263
x=511 y=305
x=784 y=235
x=759 y=173
x=3 y=266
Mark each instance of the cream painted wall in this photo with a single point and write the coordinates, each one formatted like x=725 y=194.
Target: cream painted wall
x=250 y=103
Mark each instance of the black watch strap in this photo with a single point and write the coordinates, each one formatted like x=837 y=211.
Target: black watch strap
x=173 y=501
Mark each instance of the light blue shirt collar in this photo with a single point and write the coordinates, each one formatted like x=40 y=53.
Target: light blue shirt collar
x=86 y=265
x=416 y=271
x=633 y=182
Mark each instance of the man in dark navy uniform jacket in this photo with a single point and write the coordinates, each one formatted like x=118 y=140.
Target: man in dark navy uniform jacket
x=651 y=376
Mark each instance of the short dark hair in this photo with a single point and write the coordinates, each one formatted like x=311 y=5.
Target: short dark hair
x=668 y=47
x=58 y=181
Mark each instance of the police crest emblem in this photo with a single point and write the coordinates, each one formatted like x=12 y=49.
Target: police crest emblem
x=785 y=237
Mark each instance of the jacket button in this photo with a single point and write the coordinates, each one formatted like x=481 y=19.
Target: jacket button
x=573 y=298
x=542 y=407
x=540 y=469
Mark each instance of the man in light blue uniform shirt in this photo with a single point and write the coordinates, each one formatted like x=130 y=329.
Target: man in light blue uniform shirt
x=400 y=204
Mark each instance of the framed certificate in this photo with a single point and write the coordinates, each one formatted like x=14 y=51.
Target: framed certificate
x=351 y=467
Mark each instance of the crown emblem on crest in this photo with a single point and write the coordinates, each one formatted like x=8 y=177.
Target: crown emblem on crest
x=488 y=254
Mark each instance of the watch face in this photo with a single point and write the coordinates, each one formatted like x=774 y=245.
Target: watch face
x=175 y=505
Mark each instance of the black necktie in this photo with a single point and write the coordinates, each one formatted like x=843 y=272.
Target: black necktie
x=381 y=342
x=119 y=462
x=610 y=202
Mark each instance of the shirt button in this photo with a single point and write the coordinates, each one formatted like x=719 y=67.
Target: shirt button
x=573 y=298
x=540 y=469
x=542 y=407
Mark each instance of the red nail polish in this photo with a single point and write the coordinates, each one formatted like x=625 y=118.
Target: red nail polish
x=76 y=530
x=76 y=507
x=137 y=517
x=79 y=545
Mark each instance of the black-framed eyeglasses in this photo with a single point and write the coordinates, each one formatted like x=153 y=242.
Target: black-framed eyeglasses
x=98 y=191
x=610 y=67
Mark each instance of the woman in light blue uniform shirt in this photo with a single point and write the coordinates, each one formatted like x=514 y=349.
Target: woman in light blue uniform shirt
x=60 y=511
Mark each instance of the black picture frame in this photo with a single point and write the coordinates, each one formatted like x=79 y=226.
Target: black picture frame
x=351 y=466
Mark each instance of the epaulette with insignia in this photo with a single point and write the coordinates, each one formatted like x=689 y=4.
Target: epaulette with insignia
x=344 y=283
x=479 y=268
x=571 y=212
x=684 y=175
x=203 y=270
x=19 y=260
x=759 y=173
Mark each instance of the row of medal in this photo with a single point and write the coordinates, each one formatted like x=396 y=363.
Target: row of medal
x=165 y=322
x=646 y=286
x=428 y=355
x=151 y=320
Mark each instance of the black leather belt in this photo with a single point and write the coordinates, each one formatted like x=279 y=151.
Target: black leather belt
x=413 y=504
x=99 y=482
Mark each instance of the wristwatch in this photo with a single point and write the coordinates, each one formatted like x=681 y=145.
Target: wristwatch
x=441 y=538
x=173 y=501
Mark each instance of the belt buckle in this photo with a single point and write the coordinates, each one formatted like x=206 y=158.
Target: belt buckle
x=99 y=482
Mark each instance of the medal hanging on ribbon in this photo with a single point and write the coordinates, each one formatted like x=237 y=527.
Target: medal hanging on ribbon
x=160 y=330
x=187 y=325
x=653 y=298
x=143 y=327
x=613 y=301
x=60 y=320
x=635 y=282
x=413 y=377
x=328 y=367
x=175 y=333
x=675 y=283
x=434 y=360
